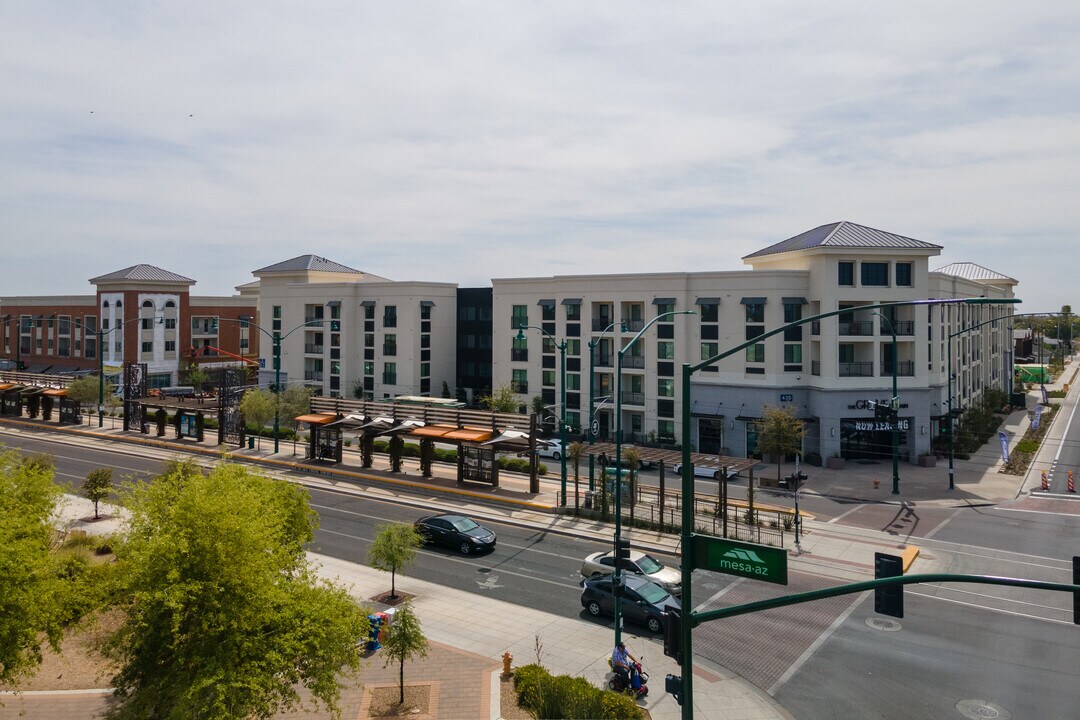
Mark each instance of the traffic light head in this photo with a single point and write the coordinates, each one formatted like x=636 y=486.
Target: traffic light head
x=673 y=634
x=622 y=550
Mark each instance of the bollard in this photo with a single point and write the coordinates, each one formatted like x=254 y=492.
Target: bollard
x=507 y=659
x=1072 y=484
x=1045 y=482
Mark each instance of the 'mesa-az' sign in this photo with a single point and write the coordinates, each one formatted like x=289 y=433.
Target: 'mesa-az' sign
x=758 y=562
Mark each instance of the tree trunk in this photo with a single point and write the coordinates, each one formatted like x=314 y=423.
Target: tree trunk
x=393 y=583
x=401 y=682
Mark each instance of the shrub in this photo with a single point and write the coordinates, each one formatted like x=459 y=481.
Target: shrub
x=563 y=696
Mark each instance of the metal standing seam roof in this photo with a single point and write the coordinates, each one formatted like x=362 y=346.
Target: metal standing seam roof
x=844 y=234
x=971 y=271
x=308 y=262
x=143 y=273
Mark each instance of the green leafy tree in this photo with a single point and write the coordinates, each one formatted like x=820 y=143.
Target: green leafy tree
x=780 y=433
x=258 y=407
x=29 y=587
x=404 y=641
x=97 y=485
x=225 y=617
x=502 y=399
x=445 y=389
x=295 y=401
x=394 y=547
x=358 y=390
x=85 y=390
x=197 y=377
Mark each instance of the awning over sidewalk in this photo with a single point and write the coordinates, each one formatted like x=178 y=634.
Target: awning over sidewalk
x=469 y=434
x=354 y=420
x=317 y=418
x=513 y=439
x=434 y=431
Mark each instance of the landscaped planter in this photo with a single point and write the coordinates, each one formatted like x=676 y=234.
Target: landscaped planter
x=927 y=461
x=835 y=463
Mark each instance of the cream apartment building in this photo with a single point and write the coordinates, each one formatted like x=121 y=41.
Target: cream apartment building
x=826 y=370
x=340 y=327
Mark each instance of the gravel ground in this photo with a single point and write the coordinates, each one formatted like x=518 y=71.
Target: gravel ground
x=79 y=665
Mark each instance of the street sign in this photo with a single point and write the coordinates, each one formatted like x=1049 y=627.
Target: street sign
x=759 y=562
x=595 y=427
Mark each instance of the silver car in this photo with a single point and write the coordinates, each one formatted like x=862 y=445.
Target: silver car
x=643 y=564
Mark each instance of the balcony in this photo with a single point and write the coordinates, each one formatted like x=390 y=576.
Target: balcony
x=815 y=367
x=904 y=368
x=633 y=398
x=902 y=327
x=604 y=361
x=312 y=349
x=815 y=327
x=602 y=324
x=857 y=327
x=312 y=320
x=856 y=369
x=313 y=375
x=634 y=325
x=634 y=362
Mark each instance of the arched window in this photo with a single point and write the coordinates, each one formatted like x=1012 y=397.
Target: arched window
x=105 y=304
x=119 y=303
x=170 y=304
x=148 y=304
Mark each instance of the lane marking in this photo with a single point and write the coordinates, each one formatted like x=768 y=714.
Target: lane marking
x=843 y=515
x=818 y=642
x=997 y=610
x=940 y=525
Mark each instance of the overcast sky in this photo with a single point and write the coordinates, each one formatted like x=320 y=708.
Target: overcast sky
x=460 y=141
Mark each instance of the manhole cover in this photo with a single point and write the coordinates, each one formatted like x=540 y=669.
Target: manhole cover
x=883 y=624
x=483 y=570
x=982 y=709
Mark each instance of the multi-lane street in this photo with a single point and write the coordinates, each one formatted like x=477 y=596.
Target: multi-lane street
x=957 y=648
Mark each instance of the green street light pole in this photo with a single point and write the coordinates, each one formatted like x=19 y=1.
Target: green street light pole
x=686 y=537
x=593 y=344
x=617 y=578
x=562 y=393
x=894 y=405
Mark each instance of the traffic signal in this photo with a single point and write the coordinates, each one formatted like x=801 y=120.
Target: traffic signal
x=673 y=634
x=881 y=411
x=889 y=600
x=673 y=685
x=622 y=551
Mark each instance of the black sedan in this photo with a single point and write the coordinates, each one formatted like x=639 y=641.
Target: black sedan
x=456 y=531
x=643 y=601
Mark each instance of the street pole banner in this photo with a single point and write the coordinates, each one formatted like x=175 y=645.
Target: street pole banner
x=1038 y=414
x=1046 y=401
x=1004 y=440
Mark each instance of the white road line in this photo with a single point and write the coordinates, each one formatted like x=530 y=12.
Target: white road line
x=940 y=525
x=841 y=516
x=818 y=642
x=997 y=610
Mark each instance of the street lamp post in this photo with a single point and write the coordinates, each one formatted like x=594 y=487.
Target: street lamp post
x=562 y=397
x=617 y=578
x=101 y=333
x=894 y=404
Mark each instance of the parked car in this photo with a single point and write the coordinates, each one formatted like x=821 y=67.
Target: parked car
x=456 y=531
x=706 y=471
x=643 y=564
x=643 y=601
x=550 y=449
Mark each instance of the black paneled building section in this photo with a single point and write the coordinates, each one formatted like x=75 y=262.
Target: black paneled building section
x=474 y=332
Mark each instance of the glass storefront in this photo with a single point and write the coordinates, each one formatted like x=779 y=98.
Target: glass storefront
x=870 y=439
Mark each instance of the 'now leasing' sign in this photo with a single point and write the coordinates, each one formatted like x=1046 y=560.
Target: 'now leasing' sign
x=759 y=562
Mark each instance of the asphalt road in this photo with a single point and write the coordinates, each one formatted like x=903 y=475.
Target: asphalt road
x=821 y=660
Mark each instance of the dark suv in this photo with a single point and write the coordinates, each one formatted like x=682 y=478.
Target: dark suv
x=643 y=601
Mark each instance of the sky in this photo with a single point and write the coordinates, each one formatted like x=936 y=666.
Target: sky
x=459 y=141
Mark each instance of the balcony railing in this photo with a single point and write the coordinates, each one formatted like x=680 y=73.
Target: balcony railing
x=815 y=367
x=902 y=327
x=904 y=368
x=312 y=319
x=604 y=361
x=633 y=398
x=313 y=375
x=856 y=369
x=313 y=349
x=601 y=324
x=634 y=325
x=857 y=327
x=634 y=362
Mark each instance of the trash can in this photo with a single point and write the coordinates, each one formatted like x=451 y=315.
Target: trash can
x=589 y=499
x=251 y=442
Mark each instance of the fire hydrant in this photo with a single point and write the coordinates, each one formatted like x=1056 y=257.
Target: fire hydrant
x=877 y=484
x=507 y=659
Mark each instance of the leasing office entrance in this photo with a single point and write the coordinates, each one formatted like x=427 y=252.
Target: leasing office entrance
x=870 y=439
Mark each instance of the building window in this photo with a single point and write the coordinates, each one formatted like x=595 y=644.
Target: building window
x=244 y=343
x=425 y=312
x=573 y=381
x=335 y=312
x=148 y=323
x=665 y=387
x=389 y=344
x=903 y=274
x=874 y=274
x=755 y=312
x=63 y=327
x=846 y=352
x=369 y=312
x=665 y=350
x=663 y=308
x=63 y=347
x=665 y=429
x=389 y=316
x=845 y=274
x=519 y=317
x=710 y=313
x=170 y=346
x=425 y=369
x=389 y=375
x=148 y=347
x=547 y=312
x=756 y=353
x=792 y=358
x=277 y=312
x=520 y=381
x=170 y=323
x=519 y=350
x=573 y=312
x=709 y=350
x=548 y=378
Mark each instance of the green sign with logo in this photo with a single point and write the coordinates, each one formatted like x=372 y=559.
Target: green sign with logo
x=759 y=562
